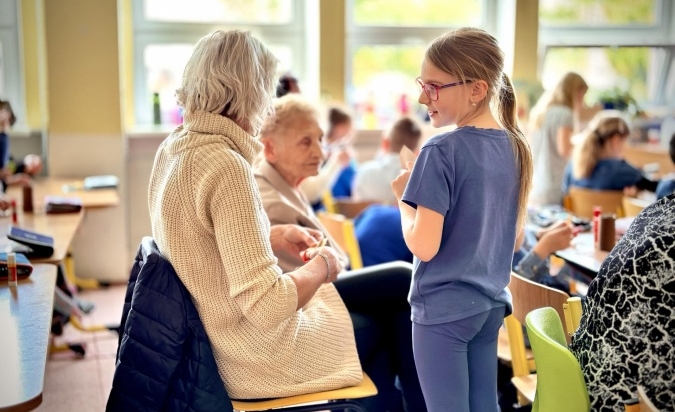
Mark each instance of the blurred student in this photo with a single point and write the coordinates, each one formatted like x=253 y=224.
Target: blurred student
x=550 y=132
x=597 y=160
x=287 y=84
x=373 y=178
x=7 y=120
x=338 y=171
x=667 y=184
x=533 y=259
x=380 y=237
x=11 y=172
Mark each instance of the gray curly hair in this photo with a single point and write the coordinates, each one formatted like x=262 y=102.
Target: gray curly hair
x=233 y=74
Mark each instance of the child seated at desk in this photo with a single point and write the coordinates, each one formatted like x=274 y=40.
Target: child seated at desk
x=532 y=260
x=597 y=161
x=667 y=184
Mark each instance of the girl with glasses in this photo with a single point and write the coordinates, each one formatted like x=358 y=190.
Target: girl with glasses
x=462 y=204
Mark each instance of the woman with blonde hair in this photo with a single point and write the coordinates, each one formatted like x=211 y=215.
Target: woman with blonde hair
x=273 y=334
x=597 y=160
x=551 y=128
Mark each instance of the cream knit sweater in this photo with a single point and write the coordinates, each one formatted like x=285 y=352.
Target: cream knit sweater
x=208 y=220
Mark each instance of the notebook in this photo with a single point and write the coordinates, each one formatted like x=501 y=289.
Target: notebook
x=101 y=182
x=56 y=204
x=34 y=245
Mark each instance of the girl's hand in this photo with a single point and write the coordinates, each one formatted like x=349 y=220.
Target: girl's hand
x=399 y=184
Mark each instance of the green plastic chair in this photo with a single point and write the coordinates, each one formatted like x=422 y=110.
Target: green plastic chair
x=560 y=382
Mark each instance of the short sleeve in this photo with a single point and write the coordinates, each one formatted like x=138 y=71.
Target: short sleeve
x=431 y=181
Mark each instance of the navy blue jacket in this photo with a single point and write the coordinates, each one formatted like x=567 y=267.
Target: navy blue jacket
x=164 y=360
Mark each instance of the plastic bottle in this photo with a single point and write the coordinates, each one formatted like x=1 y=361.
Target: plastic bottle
x=28 y=198
x=156 y=112
x=12 y=276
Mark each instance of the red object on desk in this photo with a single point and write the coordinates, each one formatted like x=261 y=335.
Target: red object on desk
x=597 y=211
x=15 y=220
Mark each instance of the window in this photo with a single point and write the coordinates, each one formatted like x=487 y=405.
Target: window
x=11 y=79
x=598 y=12
x=165 y=32
x=385 y=47
x=618 y=46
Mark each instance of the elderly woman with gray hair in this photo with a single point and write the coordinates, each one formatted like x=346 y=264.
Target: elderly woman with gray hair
x=376 y=297
x=273 y=334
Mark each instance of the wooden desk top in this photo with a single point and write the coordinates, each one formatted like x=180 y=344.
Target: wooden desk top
x=25 y=322
x=54 y=186
x=62 y=228
x=583 y=253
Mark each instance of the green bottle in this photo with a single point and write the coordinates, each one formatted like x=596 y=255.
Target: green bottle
x=156 y=113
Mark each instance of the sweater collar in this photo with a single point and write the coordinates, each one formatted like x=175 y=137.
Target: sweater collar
x=202 y=128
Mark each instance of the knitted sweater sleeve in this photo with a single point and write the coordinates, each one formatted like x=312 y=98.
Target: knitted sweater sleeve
x=264 y=295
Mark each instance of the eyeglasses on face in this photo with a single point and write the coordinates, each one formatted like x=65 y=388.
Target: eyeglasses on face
x=431 y=90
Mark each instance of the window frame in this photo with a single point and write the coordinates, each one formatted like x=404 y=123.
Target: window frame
x=146 y=32
x=660 y=35
x=12 y=59
x=357 y=35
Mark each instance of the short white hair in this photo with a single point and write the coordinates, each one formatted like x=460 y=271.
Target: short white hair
x=230 y=73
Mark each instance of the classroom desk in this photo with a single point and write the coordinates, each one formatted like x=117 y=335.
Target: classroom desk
x=25 y=321
x=643 y=153
x=62 y=227
x=583 y=255
x=54 y=186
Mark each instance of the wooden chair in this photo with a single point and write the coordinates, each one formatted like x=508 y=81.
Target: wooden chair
x=580 y=201
x=335 y=400
x=329 y=202
x=641 y=404
x=351 y=208
x=527 y=296
x=342 y=231
x=560 y=382
x=633 y=206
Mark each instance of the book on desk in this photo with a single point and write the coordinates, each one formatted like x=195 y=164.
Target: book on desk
x=31 y=244
x=58 y=204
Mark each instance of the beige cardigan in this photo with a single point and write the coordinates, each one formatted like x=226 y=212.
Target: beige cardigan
x=284 y=204
x=208 y=220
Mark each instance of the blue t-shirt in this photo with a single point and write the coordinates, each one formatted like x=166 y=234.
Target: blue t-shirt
x=608 y=174
x=470 y=177
x=343 y=185
x=4 y=150
x=665 y=188
x=380 y=237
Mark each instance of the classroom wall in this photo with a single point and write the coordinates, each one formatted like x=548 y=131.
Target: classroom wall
x=84 y=129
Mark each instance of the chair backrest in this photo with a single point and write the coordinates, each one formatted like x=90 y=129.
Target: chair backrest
x=329 y=202
x=646 y=404
x=527 y=296
x=560 y=382
x=580 y=201
x=633 y=206
x=342 y=231
x=351 y=208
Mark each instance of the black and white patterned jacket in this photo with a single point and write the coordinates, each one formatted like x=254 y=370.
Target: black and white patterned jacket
x=627 y=331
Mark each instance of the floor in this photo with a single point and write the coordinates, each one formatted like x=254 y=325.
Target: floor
x=83 y=384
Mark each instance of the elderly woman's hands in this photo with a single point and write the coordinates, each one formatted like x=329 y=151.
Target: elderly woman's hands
x=293 y=238
x=331 y=259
